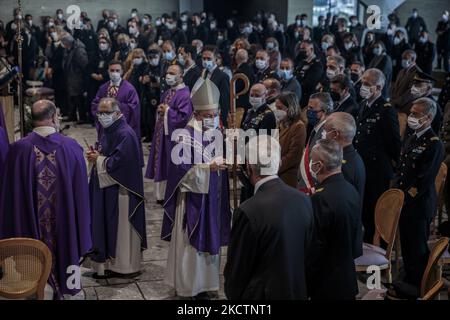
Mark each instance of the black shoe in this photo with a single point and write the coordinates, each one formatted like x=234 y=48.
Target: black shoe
x=202 y=296
x=160 y=202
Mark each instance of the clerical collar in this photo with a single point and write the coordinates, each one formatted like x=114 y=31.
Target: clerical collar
x=179 y=86
x=421 y=133
x=264 y=180
x=44 y=131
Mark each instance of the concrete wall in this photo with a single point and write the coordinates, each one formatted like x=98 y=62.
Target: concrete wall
x=279 y=7
x=93 y=7
x=296 y=7
x=430 y=10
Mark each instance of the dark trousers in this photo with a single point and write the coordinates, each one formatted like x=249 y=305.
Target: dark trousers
x=414 y=233
x=74 y=104
x=375 y=186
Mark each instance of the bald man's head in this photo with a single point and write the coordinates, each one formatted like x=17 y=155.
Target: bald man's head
x=241 y=56
x=258 y=90
x=44 y=113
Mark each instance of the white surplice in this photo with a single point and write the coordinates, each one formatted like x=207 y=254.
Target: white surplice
x=128 y=245
x=190 y=272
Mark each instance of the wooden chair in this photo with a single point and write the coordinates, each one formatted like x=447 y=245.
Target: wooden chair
x=26 y=265
x=432 y=281
x=387 y=216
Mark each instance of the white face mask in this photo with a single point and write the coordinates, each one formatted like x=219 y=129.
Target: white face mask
x=417 y=92
x=365 y=92
x=133 y=45
x=115 y=77
x=280 y=115
x=331 y=73
x=256 y=102
x=325 y=46
x=171 y=80
x=397 y=40
x=106 y=120
x=137 y=61
x=260 y=64
x=348 y=45
x=132 y=30
x=145 y=21
x=154 y=62
x=103 y=46
x=60 y=16
x=54 y=36
x=414 y=123
x=211 y=123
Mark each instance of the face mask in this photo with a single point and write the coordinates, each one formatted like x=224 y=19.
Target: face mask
x=158 y=23
x=145 y=21
x=171 y=26
x=133 y=14
x=220 y=38
x=286 y=74
x=390 y=31
x=60 y=16
x=331 y=73
x=115 y=77
x=298 y=22
x=397 y=41
x=212 y=26
x=181 y=60
x=280 y=115
x=211 y=123
x=133 y=45
x=256 y=102
x=260 y=64
x=30 y=22
x=106 y=120
x=270 y=45
x=169 y=56
x=414 y=15
x=377 y=51
x=103 y=46
x=302 y=54
x=354 y=23
x=54 y=36
x=230 y=24
x=417 y=92
x=325 y=46
x=335 y=96
x=312 y=117
x=116 y=22
x=111 y=24
x=132 y=30
x=138 y=61
x=348 y=45
x=313 y=174
x=414 y=123
x=154 y=62
x=208 y=64
x=13 y=26
x=365 y=92
x=444 y=17
x=405 y=63
x=184 y=18
x=184 y=27
x=423 y=40
x=171 y=80
x=354 y=76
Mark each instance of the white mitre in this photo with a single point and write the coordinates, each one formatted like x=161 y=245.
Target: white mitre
x=205 y=95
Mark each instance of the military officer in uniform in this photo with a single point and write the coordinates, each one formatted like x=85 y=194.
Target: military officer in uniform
x=258 y=118
x=263 y=70
x=151 y=83
x=309 y=71
x=378 y=142
x=420 y=160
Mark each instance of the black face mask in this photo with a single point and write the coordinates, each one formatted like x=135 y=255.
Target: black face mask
x=336 y=96
x=123 y=47
x=302 y=54
x=354 y=77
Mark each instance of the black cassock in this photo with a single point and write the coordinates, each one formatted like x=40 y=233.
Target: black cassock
x=337 y=240
x=268 y=245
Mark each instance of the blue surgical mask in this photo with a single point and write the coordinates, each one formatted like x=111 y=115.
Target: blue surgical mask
x=106 y=120
x=169 y=56
x=286 y=74
x=208 y=64
x=377 y=51
x=405 y=63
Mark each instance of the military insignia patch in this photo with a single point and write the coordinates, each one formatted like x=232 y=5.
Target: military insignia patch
x=412 y=192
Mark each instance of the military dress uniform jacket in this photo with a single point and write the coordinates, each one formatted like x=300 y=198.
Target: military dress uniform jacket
x=377 y=138
x=417 y=169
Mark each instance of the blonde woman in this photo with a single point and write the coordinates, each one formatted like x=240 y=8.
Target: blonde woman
x=136 y=66
x=123 y=45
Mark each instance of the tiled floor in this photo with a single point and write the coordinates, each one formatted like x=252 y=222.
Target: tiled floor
x=150 y=284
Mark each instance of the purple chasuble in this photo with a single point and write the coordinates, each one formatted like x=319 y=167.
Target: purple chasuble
x=120 y=146
x=128 y=99
x=178 y=115
x=4 y=147
x=44 y=196
x=207 y=216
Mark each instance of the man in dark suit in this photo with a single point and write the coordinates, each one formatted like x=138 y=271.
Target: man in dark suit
x=377 y=140
x=186 y=58
x=309 y=71
x=340 y=93
x=220 y=79
x=337 y=227
x=265 y=265
x=401 y=90
x=420 y=160
x=414 y=26
x=262 y=67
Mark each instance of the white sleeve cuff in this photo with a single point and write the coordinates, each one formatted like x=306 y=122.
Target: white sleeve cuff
x=104 y=178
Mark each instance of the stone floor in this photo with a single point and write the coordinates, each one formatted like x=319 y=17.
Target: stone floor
x=150 y=284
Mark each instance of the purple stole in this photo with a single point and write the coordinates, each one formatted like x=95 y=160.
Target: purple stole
x=46 y=169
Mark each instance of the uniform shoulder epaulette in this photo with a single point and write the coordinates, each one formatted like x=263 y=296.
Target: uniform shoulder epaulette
x=434 y=139
x=319 y=190
x=388 y=104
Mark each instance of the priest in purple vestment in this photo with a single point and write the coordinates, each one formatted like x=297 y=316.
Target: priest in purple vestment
x=44 y=195
x=125 y=94
x=174 y=113
x=117 y=196
x=197 y=207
